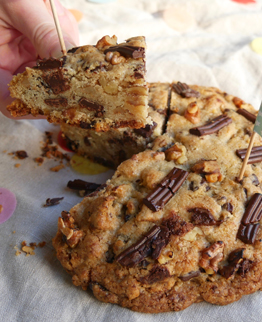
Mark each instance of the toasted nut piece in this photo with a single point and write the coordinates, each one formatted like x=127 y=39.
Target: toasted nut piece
x=64 y=230
x=238 y=102
x=211 y=256
x=181 y=160
x=166 y=257
x=214 y=177
x=192 y=113
x=117 y=59
x=176 y=152
x=210 y=168
x=106 y=41
x=109 y=56
x=192 y=235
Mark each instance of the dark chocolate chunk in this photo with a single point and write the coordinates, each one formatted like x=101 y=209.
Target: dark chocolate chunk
x=85 y=125
x=176 y=226
x=249 y=116
x=56 y=82
x=91 y=106
x=192 y=186
x=56 y=102
x=152 y=243
x=21 y=154
x=101 y=187
x=211 y=127
x=121 y=156
x=203 y=217
x=86 y=141
x=138 y=75
x=128 y=51
x=146 y=131
x=253 y=211
x=184 y=90
x=156 y=274
x=141 y=249
x=72 y=50
x=255 y=180
x=165 y=189
x=110 y=256
x=72 y=145
x=235 y=258
x=82 y=185
x=229 y=207
x=52 y=202
x=50 y=63
x=255 y=155
x=144 y=263
x=104 y=162
x=248 y=233
x=189 y=276
x=244 y=267
x=160 y=242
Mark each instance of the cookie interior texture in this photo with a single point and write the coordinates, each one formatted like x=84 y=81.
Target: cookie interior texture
x=174 y=226
x=99 y=87
x=114 y=146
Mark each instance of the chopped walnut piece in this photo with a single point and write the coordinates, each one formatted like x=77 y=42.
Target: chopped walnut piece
x=176 y=152
x=210 y=168
x=68 y=232
x=67 y=227
x=211 y=256
x=192 y=113
x=29 y=250
x=238 y=102
x=114 y=58
x=106 y=42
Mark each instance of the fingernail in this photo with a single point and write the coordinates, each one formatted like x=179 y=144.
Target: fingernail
x=57 y=51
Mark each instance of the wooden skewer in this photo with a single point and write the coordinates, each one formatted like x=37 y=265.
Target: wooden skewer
x=58 y=28
x=247 y=156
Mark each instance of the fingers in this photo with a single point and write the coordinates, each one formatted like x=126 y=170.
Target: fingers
x=34 y=20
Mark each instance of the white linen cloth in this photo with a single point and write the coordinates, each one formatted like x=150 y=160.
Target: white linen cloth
x=215 y=52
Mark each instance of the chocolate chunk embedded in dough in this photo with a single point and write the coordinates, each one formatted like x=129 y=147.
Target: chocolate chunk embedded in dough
x=165 y=190
x=184 y=90
x=203 y=217
x=128 y=51
x=255 y=155
x=156 y=274
x=249 y=116
x=211 y=127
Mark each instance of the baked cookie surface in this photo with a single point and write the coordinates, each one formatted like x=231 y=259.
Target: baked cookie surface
x=99 y=87
x=174 y=226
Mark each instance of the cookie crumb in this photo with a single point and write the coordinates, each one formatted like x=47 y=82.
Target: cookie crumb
x=21 y=154
x=39 y=161
x=57 y=168
x=17 y=165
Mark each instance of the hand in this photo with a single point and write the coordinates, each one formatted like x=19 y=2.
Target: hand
x=28 y=32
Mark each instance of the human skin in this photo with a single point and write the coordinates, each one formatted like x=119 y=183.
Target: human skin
x=27 y=32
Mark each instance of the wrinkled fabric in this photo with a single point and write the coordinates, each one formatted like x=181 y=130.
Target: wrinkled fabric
x=214 y=52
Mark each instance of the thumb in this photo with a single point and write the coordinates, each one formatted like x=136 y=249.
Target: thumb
x=35 y=21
